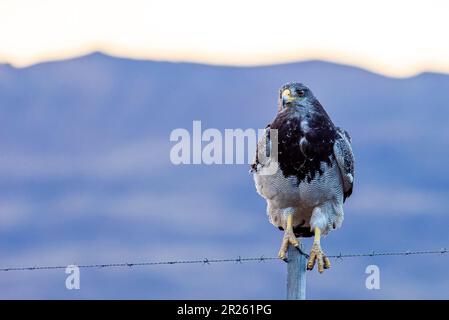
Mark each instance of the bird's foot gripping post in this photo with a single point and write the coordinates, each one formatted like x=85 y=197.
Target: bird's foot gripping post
x=317 y=254
x=289 y=238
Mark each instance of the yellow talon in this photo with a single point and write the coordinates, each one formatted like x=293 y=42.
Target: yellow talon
x=317 y=254
x=289 y=238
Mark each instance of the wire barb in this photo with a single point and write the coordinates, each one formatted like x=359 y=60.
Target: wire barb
x=238 y=260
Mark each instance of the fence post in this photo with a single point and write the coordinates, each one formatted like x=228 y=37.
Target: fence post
x=296 y=274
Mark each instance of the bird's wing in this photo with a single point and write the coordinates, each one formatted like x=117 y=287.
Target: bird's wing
x=345 y=160
x=263 y=151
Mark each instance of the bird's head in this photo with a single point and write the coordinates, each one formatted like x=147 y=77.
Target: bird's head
x=295 y=95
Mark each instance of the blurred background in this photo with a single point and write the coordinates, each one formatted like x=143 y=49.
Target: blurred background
x=90 y=91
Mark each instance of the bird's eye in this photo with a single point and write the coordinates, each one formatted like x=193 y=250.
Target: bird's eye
x=300 y=93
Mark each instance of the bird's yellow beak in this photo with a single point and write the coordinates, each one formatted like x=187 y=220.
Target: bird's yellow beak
x=286 y=96
x=286 y=93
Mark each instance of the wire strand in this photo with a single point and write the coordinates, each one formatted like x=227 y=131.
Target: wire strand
x=239 y=259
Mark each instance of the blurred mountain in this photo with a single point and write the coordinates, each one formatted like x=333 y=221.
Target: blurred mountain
x=85 y=177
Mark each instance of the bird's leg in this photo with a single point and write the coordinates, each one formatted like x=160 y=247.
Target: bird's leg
x=316 y=254
x=289 y=238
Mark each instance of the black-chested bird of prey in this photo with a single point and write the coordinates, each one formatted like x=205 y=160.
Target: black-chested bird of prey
x=304 y=168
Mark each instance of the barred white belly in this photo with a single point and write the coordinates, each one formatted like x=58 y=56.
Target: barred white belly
x=283 y=196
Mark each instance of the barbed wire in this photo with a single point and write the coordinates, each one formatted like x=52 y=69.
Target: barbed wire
x=397 y=253
x=140 y=264
x=239 y=259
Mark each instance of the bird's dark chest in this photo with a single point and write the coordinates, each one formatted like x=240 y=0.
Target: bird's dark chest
x=304 y=143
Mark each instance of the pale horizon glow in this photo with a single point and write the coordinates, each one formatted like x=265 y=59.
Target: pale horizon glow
x=395 y=38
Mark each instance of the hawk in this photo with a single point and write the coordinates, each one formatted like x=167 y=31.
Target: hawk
x=304 y=168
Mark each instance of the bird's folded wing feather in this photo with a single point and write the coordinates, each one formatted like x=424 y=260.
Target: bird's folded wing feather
x=263 y=151
x=345 y=160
